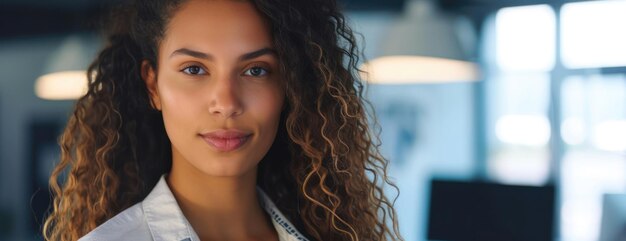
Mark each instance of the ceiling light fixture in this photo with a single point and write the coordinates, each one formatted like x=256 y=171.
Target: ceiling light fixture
x=424 y=46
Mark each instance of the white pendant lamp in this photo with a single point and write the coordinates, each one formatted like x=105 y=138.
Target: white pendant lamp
x=424 y=46
x=65 y=74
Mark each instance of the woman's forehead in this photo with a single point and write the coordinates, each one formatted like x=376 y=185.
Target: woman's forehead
x=211 y=25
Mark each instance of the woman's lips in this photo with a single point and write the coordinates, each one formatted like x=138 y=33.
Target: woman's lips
x=226 y=140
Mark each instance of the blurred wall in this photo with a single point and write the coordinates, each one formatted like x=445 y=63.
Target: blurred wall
x=21 y=62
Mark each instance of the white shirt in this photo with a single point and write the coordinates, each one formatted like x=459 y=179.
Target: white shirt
x=158 y=217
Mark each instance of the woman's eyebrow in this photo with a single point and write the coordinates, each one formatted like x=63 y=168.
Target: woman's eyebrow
x=192 y=53
x=207 y=56
x=260 y=52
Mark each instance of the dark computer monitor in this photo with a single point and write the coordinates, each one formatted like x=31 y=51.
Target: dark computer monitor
x=480 y=211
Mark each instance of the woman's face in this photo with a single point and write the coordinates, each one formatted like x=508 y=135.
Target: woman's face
x=218 y=87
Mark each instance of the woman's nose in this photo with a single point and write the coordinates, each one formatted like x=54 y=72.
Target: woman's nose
x=225 y=99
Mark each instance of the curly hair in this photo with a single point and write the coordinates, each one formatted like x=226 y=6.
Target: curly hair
x=323 y=171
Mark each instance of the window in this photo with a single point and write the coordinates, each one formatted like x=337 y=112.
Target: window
x=593 y=34
x=594 y=132
x=519 y=92
x=585 y=80
x=519 y=152
x=525 y=43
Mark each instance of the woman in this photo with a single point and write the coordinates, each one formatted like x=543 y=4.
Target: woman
x=222 y=120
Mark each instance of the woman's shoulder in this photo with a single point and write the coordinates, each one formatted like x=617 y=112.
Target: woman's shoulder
x=157 y=217
x=128 y=225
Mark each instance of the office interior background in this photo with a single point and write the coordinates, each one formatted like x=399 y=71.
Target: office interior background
x=525 y=141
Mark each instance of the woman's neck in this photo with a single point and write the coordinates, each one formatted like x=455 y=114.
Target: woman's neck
x=220 y=208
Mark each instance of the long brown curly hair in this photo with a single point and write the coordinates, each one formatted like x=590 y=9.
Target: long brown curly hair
x=323 y=171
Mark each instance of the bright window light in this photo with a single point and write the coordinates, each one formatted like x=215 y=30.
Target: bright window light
x=525 y=38
x=593 y=34
x=610 y=135
x=573 y=131
x=528 y=130
x=523 y=166
x=585 y=177
x=594 y=112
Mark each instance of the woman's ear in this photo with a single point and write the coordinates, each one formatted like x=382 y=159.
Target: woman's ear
x=149 y=76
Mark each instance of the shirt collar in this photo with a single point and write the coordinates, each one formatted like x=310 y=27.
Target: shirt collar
x=286 y=230
x=163 y=215
x=167 y=222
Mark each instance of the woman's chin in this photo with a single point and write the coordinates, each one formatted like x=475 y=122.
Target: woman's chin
x=227 y=169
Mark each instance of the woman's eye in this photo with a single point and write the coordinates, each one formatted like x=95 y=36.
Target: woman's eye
x=194 y=70
x=256 y=71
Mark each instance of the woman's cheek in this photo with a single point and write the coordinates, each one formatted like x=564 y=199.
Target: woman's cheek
x=177 y=95
x=267 y=102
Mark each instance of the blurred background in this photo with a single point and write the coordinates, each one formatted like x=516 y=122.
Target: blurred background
x=502 y=119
